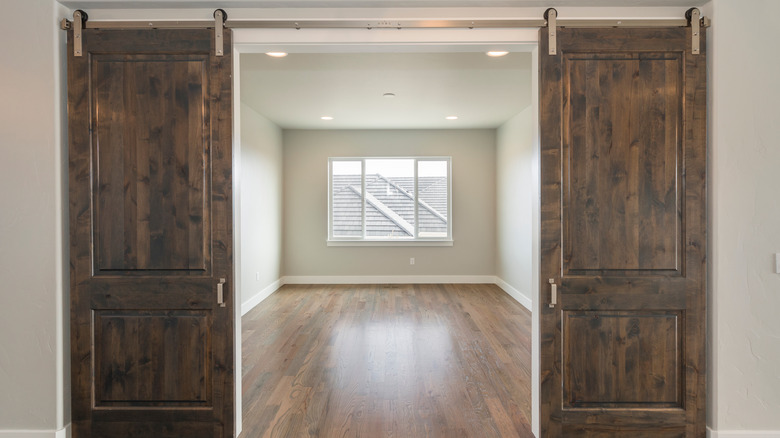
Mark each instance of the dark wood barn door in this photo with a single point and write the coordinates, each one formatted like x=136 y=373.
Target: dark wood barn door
x=623 y=159
x=149 y=119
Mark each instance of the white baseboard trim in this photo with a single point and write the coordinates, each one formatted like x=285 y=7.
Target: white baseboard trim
x=28 y=434
x=254 y=300
x=742 y=433
x=520 y=297
x=388 y=279
x=62 y=433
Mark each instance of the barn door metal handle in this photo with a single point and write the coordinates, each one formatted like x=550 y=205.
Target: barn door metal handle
x=553 y=293
x=221 y=292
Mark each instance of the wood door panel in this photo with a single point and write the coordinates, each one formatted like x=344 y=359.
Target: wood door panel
x=622 y=206
x=607 y=301
x=136 y=429
x=153 y=293
x=605 y=432
x=619 y=359
x=630 y=418
x=151 y=146
x=623 y=221
x=150 y=193
x=152 y=358
x=622 y=285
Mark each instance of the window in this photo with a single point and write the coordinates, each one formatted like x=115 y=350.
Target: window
x=389 y=201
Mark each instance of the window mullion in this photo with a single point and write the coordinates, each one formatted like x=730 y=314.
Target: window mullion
x=416 y=205
x=449 y=198
x=363 y=195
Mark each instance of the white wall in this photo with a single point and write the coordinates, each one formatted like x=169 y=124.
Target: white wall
x=260 y=207
x=514 y=213
x=34 y=368
x=744 y=354
x=744 y=385
x=473 y=203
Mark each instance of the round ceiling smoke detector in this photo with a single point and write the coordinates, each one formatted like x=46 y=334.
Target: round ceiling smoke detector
x=389 y=95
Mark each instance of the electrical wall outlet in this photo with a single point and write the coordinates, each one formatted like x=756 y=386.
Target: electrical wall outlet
x=411 y=261
x=257 y=276
x=777 y=263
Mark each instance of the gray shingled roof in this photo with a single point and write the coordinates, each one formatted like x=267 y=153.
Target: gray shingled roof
x=389 y=206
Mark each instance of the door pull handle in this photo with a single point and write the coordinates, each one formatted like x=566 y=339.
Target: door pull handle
x=221 y=292
x=553 y=293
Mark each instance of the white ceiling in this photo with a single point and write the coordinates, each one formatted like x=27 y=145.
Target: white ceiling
x=367 y=3
x=295 y=91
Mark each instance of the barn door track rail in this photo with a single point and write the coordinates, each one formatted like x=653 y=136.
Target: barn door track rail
x=693 y=18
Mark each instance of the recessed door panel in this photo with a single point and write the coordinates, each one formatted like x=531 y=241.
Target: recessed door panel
x=622 y=163
x=621 y=359
x=151 y=149
x=152 y=358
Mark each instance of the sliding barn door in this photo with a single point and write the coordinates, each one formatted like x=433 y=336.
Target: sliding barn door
x=149 y=125
x=623 y=163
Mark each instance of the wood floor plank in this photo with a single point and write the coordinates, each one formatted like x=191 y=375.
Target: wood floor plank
x=387 y=361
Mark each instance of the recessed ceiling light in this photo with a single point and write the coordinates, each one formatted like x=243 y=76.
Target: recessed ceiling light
x=326 y=118
x=497 y=53
x=277 y=54
x=389 y=95
x=451 y=117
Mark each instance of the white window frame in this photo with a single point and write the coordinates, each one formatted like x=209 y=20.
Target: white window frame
x=382 y=241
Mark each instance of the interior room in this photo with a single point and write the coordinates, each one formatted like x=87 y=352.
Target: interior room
x=298 y=110
x=384 y=105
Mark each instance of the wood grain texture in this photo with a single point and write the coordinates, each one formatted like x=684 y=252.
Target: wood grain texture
x=550 y=117
x=387 y=361
x=623 y=159
x=155 y=358
x=607 y=432
x=621 y=359
x=150 y=190
x=622 y=162
x=151 y=149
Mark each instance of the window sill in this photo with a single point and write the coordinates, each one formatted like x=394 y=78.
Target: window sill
x=390 y=242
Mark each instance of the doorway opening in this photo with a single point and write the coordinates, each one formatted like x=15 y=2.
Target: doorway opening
x=282 y=144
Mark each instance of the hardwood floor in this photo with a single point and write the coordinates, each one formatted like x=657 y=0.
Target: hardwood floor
x=375 y=361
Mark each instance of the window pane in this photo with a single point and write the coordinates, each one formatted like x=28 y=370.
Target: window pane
x=432 y=182
x=346 y=202
x=390 y=198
